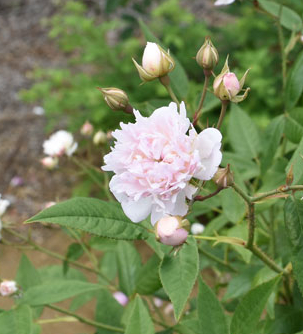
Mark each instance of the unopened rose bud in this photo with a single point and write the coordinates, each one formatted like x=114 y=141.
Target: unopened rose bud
x=224 y=177
x=170 y=232
x=121 y=298
x=16 y=181
x=7 y=288
x=197 y=228
x=50 y=162
x=100 y=138
x=227 y=86
x=4 y=204
x=156 y=62
x=116 y=99
x=87 y=129
x=207 y=57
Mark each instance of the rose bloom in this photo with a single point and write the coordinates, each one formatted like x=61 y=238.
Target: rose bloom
x=7 y=288
x=59 y=143
x=154 y=160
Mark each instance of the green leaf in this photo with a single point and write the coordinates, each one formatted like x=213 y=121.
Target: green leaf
x=294 y=84
x=210 y=313
x=108 y=311
x=243 y=133
x=108 y=265
x=240 y=231
x=74 y=252
x=129 y=264
x=148 y=280
x=55 y=291
x=93 y=216
x=293 y=214
x=288 y=18
x=16 y=321
x=27 y=275
x=178 y=274
x=179 y=80
x=297 y=162
x=271 y=141
x=249 y=310
x=294 y=125
x=139 y=321
x=233 y=205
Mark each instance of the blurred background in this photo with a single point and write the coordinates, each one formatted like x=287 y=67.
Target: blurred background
x=54 y=53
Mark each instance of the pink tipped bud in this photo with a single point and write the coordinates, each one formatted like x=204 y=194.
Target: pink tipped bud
x=7 y=288
x=87 y=129
x=231 y=83
x=170 y=231
x=224 y=177
x=50 y=162
x=121 y=298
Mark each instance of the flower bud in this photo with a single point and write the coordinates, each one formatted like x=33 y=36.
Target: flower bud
x=197 y=228
x=224 y=177
x=7 y=288
x=16 y=181
x=87 y=129
x=156 y=63
x=100 y=138
x=227 y=86
x=116 y=99
x=121 y=298
x=207 y=57
x=170 y=232
x=50 y=162
x=49 y=204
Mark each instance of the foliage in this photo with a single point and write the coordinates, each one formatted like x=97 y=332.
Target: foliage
x=254 y=278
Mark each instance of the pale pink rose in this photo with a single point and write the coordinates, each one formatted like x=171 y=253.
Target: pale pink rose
x=49 y=162
x=121 y=298
x=170 y=232
x=7 y=288
x=59 y=143
x=154 y=160
x=152 y=59
x=4 y=204
x=87 y=129
x=223 y=2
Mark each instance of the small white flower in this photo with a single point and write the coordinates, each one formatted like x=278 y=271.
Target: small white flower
x=39 y=111
x=223 y=2
x=4 y=204
x=7 y=288
x=59 y=143
x=121 y=298
x=158 y=302
x=197 y=228
x=50 y=162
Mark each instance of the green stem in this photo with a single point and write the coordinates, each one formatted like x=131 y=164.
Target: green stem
x=222 y=114
x=87 y=171
x=246 y=198
x=85 y=320
x=280 y=190
x=217 y=259
x=251 y=225
x=267 y=260
x=57 y=255
x=198 y=112
x=165 y=81
x=55 y=320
